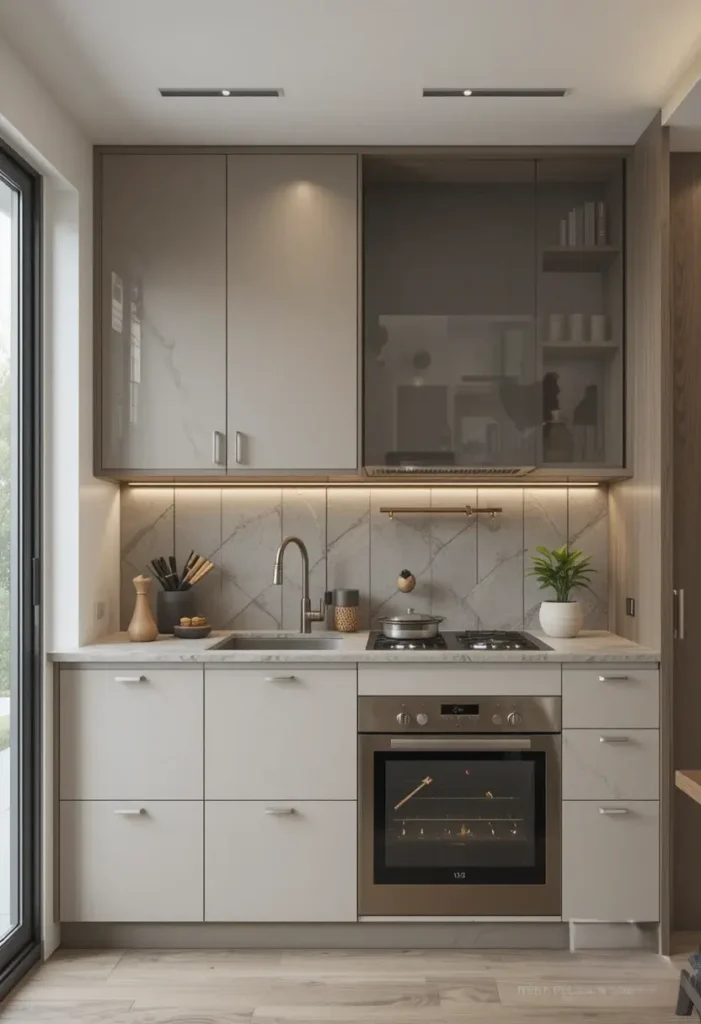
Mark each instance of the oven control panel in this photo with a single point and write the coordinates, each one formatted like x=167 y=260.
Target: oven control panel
x=446 y=714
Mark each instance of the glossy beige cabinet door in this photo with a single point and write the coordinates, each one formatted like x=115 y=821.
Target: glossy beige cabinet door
x=277 y=861
x=292 y=312
x=163 y=272
x=131 y=860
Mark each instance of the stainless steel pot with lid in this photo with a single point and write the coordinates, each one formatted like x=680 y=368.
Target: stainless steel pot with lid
x=410 y=626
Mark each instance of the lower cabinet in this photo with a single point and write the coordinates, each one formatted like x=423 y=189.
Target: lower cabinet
x=131 y=860
x=280 y=861
x=610 y=860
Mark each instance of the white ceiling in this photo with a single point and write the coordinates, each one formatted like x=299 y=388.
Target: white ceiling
x=353 y=70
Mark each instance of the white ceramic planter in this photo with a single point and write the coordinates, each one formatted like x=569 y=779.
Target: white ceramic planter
x=561 y=618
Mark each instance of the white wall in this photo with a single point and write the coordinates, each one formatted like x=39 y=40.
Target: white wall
x=81 y=514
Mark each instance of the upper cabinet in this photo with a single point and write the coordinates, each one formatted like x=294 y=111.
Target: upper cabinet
x=163 y=314
x=493 y=305
x=292 y=289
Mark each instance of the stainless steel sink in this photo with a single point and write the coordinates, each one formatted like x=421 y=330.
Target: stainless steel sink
x=278 y=643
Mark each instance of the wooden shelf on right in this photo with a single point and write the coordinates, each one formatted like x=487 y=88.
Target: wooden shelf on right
x=580 y=349
x=579 y=259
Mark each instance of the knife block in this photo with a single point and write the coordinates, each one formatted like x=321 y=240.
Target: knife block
x=171 y=606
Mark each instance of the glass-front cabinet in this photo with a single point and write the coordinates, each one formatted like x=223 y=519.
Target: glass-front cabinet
x=493 y=312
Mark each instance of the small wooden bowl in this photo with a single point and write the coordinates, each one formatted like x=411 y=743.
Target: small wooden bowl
x=192 y=632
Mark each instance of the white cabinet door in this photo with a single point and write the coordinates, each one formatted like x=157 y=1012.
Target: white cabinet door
x=280 y=733
x=163 y=260
x=292 y=312
x=610 y=860
x=131 y=734
x=607 y=764
x=131 y=861
x=280 y=862
x=613 y=696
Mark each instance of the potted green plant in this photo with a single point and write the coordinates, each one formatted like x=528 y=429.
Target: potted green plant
x=563 y=571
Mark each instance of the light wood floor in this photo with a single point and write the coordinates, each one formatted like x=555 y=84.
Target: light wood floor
x=403 y=986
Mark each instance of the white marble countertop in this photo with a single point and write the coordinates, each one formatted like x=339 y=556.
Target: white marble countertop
x=593 y=646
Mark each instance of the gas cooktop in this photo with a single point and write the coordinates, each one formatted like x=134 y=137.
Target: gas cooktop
x=467 y=640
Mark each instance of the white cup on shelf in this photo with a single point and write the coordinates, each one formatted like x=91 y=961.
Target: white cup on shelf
x=556 y=327
x=576 y=327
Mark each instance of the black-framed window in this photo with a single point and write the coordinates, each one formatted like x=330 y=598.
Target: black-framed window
x=20 y=519
x=458 y=818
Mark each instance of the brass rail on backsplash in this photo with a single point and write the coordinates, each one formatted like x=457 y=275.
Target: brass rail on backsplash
x=464 y=510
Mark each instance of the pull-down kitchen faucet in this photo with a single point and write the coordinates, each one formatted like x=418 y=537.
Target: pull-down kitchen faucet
x=307 y=616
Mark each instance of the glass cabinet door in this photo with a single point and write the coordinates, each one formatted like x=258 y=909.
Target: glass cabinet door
x=450 y=313
x=449 y=818
x=580 y=349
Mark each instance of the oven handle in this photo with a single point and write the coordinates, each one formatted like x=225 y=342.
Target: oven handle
x=460 y=743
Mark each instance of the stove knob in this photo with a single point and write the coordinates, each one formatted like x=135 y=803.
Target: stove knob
x=513 y=718
x=421 y=718
x=496 y=719
x=404 y=718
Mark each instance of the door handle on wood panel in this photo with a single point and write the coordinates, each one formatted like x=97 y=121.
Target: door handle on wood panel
x=130 y=812
x=218 y=448
x=613 y=810
x=614 y=739
x=679 y=615
x=130 y=679
x=612 y=678
x=449 y=743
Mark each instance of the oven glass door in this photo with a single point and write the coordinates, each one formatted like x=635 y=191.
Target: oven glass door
x=459 y=817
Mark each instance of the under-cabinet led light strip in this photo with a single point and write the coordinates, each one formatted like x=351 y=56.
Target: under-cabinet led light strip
x=334 y=484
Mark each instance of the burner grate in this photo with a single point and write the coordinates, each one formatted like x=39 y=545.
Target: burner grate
x=385 y=643
x=495 y=640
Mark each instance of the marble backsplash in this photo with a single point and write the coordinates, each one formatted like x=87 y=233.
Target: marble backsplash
x=472 y=571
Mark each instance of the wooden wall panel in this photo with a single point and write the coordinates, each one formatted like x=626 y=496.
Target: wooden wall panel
x=685 y=208
x=641 y=508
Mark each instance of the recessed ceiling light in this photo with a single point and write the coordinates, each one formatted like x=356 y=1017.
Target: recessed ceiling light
x=498 y=93
x=242 y=93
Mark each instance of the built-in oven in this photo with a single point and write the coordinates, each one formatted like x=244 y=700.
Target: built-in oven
x=460 y=808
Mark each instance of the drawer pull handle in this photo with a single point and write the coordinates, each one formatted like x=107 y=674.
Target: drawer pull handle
x=612 y=679
x=130 y=679
x=130 y=812
x=613 y=810
x=614 y=739
x=280 y=679
x=280 y=812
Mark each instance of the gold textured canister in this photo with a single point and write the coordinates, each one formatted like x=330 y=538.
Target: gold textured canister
x=345 y=612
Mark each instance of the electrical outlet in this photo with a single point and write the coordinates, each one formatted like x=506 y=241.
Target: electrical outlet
x=630 y=607
x=100 y=610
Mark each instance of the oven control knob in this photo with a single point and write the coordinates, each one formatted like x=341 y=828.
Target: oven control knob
x=421 y=718
x=513 y=718
x=496 y=719
x=404 y=718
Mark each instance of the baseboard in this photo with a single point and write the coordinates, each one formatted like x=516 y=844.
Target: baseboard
x=614 y=935
x=492 y=935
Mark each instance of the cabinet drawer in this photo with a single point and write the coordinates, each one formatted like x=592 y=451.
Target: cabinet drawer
x=610 y=862
x=280 y=733
x=612 y=697
x=130 y=734
x=607 y=764
x=459 y=680
x=146 y=865
x=280 y=862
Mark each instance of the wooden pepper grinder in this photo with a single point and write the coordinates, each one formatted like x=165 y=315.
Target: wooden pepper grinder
x=142 y=628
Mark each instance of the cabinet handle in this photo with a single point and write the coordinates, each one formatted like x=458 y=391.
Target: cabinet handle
x=130 y=679
x=280 y=679
x=130 y=812
x=459 y=743
x=614 y=739
x=679 y=616
x=613 y=810
x=218 y=448
x=239 y=447
x=280 y=812
x=612 y=679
